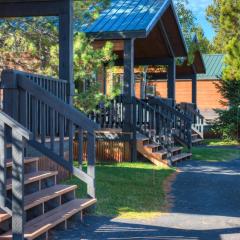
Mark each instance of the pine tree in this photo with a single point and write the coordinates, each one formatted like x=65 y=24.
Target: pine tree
x=224 y=16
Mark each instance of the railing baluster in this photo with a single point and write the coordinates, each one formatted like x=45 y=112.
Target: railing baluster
x=43 y=122
x=52 y=129
x=34 y=117
x=80 y=146
x=61 y=133
x=70 y=129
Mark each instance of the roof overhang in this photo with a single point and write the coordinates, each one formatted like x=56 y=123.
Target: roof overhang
x=166 y=18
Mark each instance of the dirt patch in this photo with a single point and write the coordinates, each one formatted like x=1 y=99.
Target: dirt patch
x=167 y=187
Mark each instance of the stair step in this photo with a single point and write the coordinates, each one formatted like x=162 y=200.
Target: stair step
x=176 y=149
x=152 y=145
x=33 y=177
x=40 y=197
x=195 y=135
x=3 y=216
x=162 y=152
x=180 y=157
x=9 y=162
x=51 y=219
x=196 y=141
x=141 y=137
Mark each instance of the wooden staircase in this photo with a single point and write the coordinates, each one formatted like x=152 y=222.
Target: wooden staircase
x=196 y=138
x=46 y=204
x=157 y=154
x=36 y=116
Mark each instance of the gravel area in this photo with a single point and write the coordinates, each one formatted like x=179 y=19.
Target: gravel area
x=206 y=207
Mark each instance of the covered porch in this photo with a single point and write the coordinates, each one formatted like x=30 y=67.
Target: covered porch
x=143 y=35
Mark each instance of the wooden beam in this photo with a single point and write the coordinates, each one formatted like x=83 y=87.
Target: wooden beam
x=31 y=8
x=118 y=35
x=118 y=45
x=147 y=61
x=172 y=79
x=66 y=47
x=165 y=37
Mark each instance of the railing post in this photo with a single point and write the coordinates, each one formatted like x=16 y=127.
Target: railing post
x=18 y=217
x=134 y=131
x=91 y=156
x=3 y=193
x=10 y=96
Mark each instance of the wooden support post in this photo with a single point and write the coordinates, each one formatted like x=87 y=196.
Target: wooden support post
x=3 y=192
x=172 y=79
x=101 y=78
x=10 y=96
x=143 y=84
x=129 y=94
x=10 y=100
x=194 y=89
x=104 y=80
x=18 y=217
x=91 y=157
x=66 y=47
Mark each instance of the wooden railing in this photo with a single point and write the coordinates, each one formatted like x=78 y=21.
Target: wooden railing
x=110 y=115
x=154 y=124
x=177 y=123
x=194 y=114
x=12 y=131
x=58 y=144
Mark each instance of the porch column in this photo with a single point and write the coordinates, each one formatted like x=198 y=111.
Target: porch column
x=104 y=80
x=194 y=89
x=172 y=79
x=101 y=79
x=66 y=47
x=143 y=84
x=129 y=94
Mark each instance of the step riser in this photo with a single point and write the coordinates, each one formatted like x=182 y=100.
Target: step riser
x=36 y=186
x=54 y=219
x=28 y=168
x=41 y=208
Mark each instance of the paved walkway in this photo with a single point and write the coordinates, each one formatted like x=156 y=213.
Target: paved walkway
x=207 y=208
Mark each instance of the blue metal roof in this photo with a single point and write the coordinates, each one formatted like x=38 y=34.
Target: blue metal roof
x=214 y=64
x=129 y=16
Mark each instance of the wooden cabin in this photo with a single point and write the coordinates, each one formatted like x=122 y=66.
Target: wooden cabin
x=206 y=86
x=146 y=34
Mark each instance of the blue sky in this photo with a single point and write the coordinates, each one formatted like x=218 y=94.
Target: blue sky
x=198 y=7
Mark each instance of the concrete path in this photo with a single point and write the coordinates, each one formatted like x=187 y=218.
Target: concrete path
x=207 y=207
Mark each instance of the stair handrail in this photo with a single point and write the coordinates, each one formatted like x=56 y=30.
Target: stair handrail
x=20 y=136
x=194 y=113
x=69 y=122
x=181 y=129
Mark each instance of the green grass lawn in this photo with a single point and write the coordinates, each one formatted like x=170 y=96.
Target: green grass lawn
x=215 y=155
x=220 y=142
x=128 y=190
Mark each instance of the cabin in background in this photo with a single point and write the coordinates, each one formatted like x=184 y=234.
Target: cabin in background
x=208 y=96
